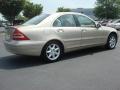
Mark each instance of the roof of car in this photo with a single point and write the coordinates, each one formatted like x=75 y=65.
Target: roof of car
x=62 y=13
x=67 y=13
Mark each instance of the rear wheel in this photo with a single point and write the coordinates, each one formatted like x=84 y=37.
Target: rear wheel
x=52 y=51
x=112 y=40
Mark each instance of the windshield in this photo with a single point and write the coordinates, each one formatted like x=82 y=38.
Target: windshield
x=36 y=20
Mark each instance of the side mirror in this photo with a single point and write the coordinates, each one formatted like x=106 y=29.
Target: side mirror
x=98 y=25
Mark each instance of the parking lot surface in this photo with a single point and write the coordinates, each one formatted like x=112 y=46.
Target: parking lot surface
x=88 y=69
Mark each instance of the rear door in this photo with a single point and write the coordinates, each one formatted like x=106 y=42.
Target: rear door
x=67 y=30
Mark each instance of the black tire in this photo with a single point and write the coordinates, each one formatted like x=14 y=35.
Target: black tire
x=108 y=45
x=44 y=51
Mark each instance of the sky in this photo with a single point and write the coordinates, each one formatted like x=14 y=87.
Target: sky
x=51 y=6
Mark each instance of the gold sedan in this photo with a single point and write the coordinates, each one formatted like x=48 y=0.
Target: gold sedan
x=52 y=35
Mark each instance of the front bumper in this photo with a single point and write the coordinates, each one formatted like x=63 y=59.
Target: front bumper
x=31 y=48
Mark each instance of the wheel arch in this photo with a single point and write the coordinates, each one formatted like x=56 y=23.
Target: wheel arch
x=114 y=34
x=56 y=40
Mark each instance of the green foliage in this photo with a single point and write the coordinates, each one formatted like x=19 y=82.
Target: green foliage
x=62 y=9
x=11 y=8
x=107 y=9
x=31 y=10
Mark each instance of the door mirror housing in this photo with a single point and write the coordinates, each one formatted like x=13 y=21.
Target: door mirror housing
x=98 y=25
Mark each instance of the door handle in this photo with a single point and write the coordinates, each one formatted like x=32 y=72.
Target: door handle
x=60 y=30
x=84 y=30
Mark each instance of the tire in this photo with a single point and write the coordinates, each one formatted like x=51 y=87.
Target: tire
x=112 y=41
x=52 y=52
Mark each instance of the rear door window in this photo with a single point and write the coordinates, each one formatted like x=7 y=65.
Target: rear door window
x=65 y=21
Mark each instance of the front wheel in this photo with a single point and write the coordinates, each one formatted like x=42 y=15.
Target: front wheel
x=52 y=52
x=111 y=42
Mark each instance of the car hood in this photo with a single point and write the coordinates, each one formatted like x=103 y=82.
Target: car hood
x=113 y=23
x=108 y=28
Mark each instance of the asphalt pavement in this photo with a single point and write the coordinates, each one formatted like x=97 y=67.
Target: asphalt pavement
x=88 y=69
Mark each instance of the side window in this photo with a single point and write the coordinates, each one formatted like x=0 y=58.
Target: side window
x=65 y=21
x=85 y=22
x=57 y=23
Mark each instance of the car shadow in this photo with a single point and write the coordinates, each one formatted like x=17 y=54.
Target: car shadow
x=18 y=62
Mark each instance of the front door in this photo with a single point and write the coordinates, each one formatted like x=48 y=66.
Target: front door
x=89 y=33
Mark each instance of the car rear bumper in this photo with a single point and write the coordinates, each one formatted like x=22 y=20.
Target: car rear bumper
x=24 y=48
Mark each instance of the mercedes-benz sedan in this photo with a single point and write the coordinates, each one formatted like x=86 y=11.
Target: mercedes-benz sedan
x=50 y=36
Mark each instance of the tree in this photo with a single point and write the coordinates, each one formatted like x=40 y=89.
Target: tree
x=11 y=8
x=62 y=9
x=107 y=9
x=31 y=10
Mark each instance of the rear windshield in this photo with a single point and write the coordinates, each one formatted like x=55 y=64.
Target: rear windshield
x=36 y=20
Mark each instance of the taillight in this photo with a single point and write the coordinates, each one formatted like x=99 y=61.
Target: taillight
x=17 y=35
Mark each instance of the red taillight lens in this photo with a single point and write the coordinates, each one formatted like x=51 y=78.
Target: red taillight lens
x=17 y=35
